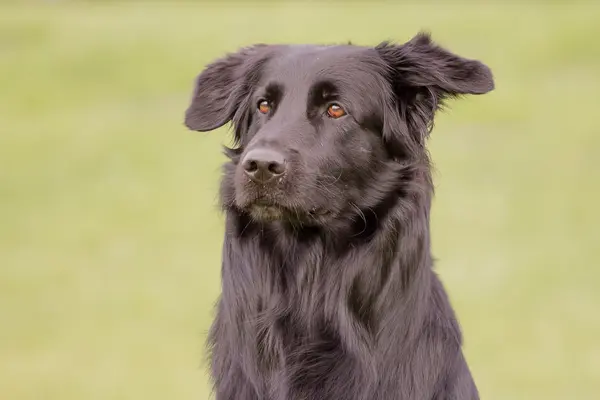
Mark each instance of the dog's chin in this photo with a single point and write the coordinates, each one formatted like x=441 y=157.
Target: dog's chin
x=266 y=213
x=272 y=212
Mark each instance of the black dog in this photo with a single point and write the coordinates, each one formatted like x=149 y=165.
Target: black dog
x=328 y=291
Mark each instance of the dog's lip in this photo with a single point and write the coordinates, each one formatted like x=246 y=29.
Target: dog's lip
x=267 y=204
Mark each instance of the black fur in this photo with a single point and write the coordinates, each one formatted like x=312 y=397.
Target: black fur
x=328 y=290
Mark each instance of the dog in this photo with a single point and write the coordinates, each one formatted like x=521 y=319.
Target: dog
x=328 y=287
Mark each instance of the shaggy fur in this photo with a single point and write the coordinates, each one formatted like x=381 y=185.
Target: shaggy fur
x=328 y=290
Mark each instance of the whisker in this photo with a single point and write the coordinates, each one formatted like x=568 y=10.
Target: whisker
x=362 y=215
x=245 y=227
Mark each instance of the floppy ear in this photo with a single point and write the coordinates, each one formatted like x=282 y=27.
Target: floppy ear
x=424 y=74
x=422 y=63
x=222 y=86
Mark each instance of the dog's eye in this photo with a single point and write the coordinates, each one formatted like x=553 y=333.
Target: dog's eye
x=264 y=107
x=335 y=111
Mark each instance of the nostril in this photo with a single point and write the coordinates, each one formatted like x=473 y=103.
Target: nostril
x=276 y=168
x=251 y=166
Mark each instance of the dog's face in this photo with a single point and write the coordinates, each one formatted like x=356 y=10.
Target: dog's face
x=313 y=142
x=324 y=132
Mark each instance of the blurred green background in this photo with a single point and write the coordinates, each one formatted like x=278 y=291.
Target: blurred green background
x=110 y=232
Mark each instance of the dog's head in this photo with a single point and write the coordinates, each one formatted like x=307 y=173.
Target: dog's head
x=323 y=132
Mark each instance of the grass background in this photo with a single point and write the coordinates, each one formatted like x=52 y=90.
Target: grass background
x=109 y=231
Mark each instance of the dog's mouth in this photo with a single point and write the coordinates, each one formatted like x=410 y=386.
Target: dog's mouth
x=264 y=210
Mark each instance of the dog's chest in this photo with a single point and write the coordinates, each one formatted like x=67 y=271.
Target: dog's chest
x=303 y=365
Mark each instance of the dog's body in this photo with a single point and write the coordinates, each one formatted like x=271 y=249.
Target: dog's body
x=328 y=287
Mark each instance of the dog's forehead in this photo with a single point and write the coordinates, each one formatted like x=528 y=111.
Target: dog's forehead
x=313 y=62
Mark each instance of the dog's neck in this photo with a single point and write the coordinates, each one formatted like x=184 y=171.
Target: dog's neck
x=343 y=286
x=287 y=265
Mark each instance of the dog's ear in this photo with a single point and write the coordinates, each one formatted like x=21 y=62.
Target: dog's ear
x=423 y=74
x=222 y=86
x=422 y=63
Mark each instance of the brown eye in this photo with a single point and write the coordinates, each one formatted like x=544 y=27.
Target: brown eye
x=264 y=107
x=335 y=111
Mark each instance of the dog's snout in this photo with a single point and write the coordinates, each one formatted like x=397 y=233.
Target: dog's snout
x=262 y=165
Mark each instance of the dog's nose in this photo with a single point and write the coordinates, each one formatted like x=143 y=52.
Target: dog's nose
x=262 y=165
